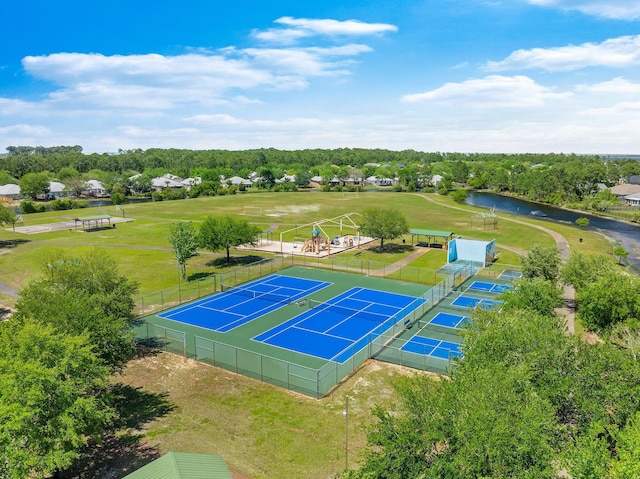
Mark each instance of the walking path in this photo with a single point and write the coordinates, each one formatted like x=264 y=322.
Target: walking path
x=400 y=263
x=569 y=295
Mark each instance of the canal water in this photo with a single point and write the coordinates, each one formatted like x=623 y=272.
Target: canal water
x=628 y=235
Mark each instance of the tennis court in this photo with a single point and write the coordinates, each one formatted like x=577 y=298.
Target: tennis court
x=447 y=320
x=340 y=327
x=433 y=347
x=510 y=274
x=471 y=302
x=237 y=306
x=488 y=287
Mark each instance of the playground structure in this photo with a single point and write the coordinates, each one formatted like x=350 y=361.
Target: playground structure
x=320 y=238
x=321 y=242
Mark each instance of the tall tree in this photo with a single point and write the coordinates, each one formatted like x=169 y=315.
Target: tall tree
x=613 y=299
x=52 y=398
x=541 y=262
x=581 y=269
x=386 y=224
x=184 y=241
x=224 y=232
x=84 y=295
x=7 y=215
x=34 y=184
x=534 y=294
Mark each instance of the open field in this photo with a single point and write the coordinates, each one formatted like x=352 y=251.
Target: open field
x=142 y=250
x=261 y=431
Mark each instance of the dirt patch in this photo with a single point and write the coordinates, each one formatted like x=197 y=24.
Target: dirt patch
x=288 y=210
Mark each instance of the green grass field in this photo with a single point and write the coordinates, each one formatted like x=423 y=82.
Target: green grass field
x=142 y=250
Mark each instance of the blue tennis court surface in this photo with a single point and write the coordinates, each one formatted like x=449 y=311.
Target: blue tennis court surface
x=448 y=320
x=469 y=302
x=510 y=274
x=489 y=287
x=433 y=347
x=337 y=329
x=235 y=307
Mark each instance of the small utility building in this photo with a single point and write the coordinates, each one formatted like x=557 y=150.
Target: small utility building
x=472 y=251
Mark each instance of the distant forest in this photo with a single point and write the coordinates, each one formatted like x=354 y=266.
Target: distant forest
x=553 y=177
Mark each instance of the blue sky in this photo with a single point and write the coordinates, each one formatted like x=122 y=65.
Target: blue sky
x=429 y=75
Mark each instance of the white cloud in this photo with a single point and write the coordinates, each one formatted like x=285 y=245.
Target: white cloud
x=155 y=82
x=490 y=92
x=617 y=52
x=617 y=86
x=615 y=9
x=299 y=28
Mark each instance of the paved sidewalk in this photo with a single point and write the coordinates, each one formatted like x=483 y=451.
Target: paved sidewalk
x=8 y=290
x=400 y=263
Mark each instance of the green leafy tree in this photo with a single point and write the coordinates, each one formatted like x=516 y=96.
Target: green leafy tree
x=525 y=401
x=582 y=222
x=620 y=253
x=613 y=299
x=303 y=178
x=581 y=269
x=84 y=295
x=6 y=178
x=541 y=262
x=627 y=463
x=141 y=184
x=7 y=215
x=386 y=224
x=224 y=232
x=184 y=241
x=459 y=196
x=267 y=178
x=535 y=294
x=34 y=184
x=52 y=398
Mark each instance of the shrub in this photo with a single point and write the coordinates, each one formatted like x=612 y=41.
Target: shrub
x=28 y=206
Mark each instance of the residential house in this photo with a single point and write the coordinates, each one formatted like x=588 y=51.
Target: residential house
x=56 y=190
x=96 y=189
x=166 y=181
x=11 y=191
x=625 y=189
x=189 y=183
x=633 y=200
x=237 y=181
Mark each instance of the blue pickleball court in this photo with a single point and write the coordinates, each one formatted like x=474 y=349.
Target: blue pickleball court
x=471 y=302
x=447 y=320
x=228 y=310
x=433 y=347
x=338 y=328
x=489 y=287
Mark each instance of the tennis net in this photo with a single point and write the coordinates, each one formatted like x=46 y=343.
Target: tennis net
x=349 y=312
x=249 y=293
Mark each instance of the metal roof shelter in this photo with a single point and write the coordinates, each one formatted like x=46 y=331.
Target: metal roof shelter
x=432 y=237
x=181 y=465
x=486 y=220
x=95 y=221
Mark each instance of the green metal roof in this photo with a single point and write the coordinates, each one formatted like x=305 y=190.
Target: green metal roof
x=94 y=217
x=444 y=234
x=181 y=465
